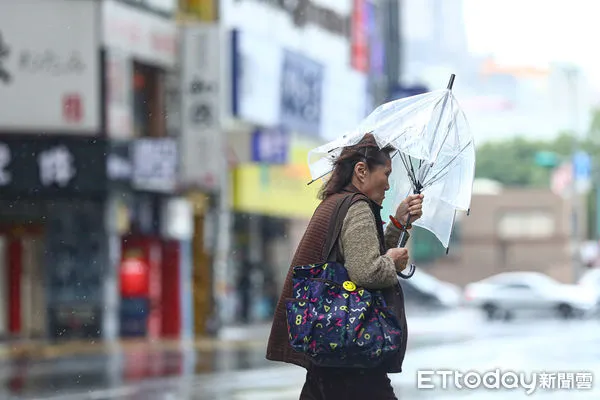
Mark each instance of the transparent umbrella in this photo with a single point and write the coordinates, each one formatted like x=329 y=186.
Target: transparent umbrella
x=435 y=155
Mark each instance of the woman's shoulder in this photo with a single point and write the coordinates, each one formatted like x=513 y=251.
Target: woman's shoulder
x=359 y=212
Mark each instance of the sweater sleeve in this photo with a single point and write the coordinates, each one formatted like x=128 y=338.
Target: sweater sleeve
x=360 y=247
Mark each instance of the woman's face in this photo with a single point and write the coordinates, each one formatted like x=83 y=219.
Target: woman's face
x=373 y=182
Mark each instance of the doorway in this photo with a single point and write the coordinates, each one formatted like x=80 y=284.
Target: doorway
x=22 y=288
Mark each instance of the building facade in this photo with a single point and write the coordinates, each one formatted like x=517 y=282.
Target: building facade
x=298 y=74
x=510 y=230
x=91 y=231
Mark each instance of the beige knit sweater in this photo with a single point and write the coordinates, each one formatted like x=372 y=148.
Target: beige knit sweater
x=360 y=247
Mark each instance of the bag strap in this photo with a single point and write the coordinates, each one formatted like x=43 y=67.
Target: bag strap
x=335 y=228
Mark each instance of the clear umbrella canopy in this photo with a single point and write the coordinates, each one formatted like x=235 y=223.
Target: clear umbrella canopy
x=435 y=155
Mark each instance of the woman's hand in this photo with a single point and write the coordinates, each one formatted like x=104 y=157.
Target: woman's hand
x=411 y=206
x=400 y=257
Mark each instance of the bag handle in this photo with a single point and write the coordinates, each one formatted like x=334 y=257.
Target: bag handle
x=335 y=228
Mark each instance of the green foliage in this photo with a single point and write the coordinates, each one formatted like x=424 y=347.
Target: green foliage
x=513 y=161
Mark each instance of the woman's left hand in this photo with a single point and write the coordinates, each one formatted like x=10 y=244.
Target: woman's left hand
x=413 y=206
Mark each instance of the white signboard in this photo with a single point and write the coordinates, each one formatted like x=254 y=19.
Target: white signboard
x=259 y=60
x=145 y=36
x=201 y=143
x=49 y=66
x=155 y=164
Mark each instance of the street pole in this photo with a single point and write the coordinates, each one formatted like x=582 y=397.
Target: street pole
x=577 y=214
x=390 y=14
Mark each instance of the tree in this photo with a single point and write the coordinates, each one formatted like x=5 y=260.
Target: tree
x=513 y=161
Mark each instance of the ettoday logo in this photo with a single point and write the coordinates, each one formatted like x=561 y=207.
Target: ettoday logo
x=505 y=380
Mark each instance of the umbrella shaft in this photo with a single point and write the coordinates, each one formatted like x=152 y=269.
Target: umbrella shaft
x=403 y=239
x=404 y=235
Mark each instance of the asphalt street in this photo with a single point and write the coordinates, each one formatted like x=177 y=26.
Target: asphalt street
x=447 y=343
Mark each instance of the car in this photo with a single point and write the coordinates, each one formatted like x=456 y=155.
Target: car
x=590 y=280
x=426 y=291
x=504 y=294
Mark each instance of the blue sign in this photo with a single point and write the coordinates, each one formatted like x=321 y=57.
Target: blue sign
x=270 y=146
x=582 y=166
x=376 y=44
x=400 y=92
x=301 y=94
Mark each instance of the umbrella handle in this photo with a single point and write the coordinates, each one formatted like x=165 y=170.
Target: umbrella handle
x=411 y=272
x=402 y=243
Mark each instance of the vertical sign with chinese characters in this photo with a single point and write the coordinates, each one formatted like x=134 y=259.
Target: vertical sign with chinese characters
x=359 y=48
x=201 y=143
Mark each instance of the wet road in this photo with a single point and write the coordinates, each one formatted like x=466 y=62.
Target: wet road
x=237 y=370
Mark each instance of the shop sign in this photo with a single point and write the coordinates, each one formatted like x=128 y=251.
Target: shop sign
x=201 y=94
x=307 y=12
x=146 y=37
x=49 y=77
x=52 y=165
x=155 y=163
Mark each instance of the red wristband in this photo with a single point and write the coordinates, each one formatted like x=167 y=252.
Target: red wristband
x=398 y=225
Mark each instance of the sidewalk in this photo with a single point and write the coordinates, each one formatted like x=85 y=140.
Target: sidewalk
x=42 y=349
x=424 y=329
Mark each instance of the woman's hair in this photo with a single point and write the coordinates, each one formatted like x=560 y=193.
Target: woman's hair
x=366 y=151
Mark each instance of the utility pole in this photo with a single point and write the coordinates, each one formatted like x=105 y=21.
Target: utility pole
x=390 y=14
x=577 y=211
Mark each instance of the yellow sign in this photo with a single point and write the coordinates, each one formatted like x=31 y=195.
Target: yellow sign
x=278 y=191
x=200 y=10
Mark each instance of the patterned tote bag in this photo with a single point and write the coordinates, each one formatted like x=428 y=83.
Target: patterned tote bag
x=331 y=319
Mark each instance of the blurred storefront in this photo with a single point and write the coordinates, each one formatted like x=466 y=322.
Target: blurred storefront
x=88 y=173
x=297 y=79
x=272 y=205
x=151 y=245
x=195 y=112
x=52 y=173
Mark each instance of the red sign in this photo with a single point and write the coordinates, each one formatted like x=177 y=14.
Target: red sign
x=360 y=37
x=72 y=107
x=135 y=278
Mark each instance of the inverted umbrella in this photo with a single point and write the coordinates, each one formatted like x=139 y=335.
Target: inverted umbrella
x=435 y=153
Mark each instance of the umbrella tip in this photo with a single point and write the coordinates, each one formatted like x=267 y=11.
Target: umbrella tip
x=451 y=83
x=468 y=212
x=447 y=250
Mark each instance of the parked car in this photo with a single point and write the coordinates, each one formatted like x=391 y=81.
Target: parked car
x=502 y=295
x=426 y=291
x=591 y=281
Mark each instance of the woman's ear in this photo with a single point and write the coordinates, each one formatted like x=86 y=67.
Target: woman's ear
x=360 y=171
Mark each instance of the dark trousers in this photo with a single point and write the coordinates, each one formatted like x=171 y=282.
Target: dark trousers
x=346 y=384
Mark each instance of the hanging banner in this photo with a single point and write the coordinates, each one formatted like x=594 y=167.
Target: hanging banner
x=201 y=144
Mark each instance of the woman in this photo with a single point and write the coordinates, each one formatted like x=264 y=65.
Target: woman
x=371 y=258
